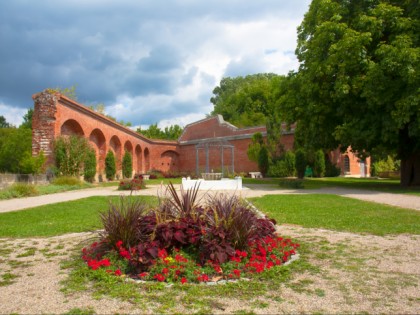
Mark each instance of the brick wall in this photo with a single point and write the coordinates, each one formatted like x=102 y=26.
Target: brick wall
x=56 y=115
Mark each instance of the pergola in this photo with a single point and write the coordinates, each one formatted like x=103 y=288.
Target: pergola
x=211 y=143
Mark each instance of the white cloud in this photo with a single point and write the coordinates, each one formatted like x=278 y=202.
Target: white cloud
x=13 y=115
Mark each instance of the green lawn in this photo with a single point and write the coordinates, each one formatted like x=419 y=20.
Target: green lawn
x=59 y=218
x=339 y=213
x=385 y=185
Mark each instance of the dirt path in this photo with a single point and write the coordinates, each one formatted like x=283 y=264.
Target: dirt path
x=346 y=273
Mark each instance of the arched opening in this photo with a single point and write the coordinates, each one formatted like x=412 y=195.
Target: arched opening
x=138 y=160
x=346 y=164
x=71 y=127
x=169 y=161
x=97 y=139
x=146 y=160
x=115 y=146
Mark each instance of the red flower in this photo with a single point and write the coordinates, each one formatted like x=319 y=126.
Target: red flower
x=165 y=271
x=118 y=272
x=119 y=244
x=162 y=253
x=143 y=274
x=183 y=280
x=159 y=277
x=105 y=262
x=237 y=272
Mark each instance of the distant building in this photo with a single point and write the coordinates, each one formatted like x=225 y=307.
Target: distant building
x=211 y=144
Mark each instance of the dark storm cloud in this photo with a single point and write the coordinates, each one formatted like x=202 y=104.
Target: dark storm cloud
x=135 y=49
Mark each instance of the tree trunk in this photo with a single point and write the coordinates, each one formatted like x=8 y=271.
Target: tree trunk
x=410 y=170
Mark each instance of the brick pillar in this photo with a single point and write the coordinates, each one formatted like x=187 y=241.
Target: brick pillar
x=43 y=124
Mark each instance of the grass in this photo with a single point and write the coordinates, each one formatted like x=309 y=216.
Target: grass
x=385 y=185
x=59 y=218
x=25 y=190
x=339 y=213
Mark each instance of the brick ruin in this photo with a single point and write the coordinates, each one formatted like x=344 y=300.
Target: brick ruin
x=197 y=149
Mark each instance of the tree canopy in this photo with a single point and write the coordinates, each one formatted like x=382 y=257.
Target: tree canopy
x=246 y=101
x=359 y=81
x=172 y=132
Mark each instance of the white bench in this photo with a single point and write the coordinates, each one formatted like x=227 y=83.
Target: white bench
x=255 y=174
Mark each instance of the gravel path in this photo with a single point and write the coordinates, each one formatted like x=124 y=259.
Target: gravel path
x=345 y=273
x=354 y=273
x=399 y=200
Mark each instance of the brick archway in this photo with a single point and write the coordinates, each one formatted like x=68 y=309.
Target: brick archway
x=97 y=139
x=115 y=146
x=169 y=161
x=138 y=159
x=71 y=127
x=146 y=160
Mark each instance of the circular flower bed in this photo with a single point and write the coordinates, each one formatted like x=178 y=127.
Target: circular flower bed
x=182 y=242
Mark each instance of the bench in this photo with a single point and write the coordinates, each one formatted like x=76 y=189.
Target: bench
x=255 y=174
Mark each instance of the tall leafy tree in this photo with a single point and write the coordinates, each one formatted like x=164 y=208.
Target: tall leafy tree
x=15 y=146
x=4 y=123
x=27 y=119
x=359 y=79
x=172 y=132
x=246 y=101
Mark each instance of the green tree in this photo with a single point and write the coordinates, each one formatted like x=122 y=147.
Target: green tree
x=15 y=146
x=89 y=167
x=319 y=164
x=110 y=165
x=359 y=77
x=172 y=132
x=254 y=148
x=246 y=101
x=70 y=153
x=300 y=163
x=32 y=164
x=263 y=160
x=4 y=123
x=127 y=165
x=27 y=119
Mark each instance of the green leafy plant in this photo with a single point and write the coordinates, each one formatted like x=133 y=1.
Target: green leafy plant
x=67 y=180
x=110 y=165
x=89 y=170
x=319 y=164
x=70 y=153
x=127 y=165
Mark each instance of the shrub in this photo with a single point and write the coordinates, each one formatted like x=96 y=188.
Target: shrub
x=263 y=161
x=290 y=163
x=122 y=222
x=110 y=166
x=132 y=184
x=278 y=169
x=67 y=180
x=70 y=153
x=127 y=165
x=90 y=166
x=300 y=163
x=319 y=164
x=331 y=170
x=22 y=190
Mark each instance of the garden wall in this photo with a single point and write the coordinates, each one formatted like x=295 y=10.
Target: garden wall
x=10 y=179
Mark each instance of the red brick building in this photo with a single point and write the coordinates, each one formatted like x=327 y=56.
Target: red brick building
x=207 y=145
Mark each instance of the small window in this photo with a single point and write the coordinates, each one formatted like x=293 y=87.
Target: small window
x=346 y=164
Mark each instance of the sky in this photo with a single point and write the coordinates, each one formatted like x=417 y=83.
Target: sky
x=147 y=61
